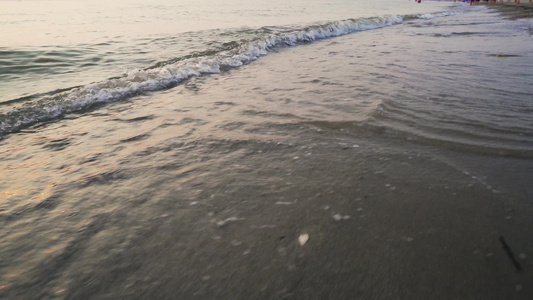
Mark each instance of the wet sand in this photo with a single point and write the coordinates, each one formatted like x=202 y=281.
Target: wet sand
x=384 y=221
x=524 y=10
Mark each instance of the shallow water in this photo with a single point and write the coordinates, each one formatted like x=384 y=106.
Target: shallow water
x=72 y=44
x=54 y=45
x=404 y=152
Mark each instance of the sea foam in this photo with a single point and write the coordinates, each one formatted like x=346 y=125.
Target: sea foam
x=166 y=75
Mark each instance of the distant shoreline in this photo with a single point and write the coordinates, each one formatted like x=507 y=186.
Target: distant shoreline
x=512 y=11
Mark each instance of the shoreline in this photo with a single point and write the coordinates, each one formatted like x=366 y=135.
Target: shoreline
x=303 y=175
x=512 y=11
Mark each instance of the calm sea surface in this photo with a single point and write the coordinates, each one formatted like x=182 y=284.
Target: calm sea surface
x=177 y=149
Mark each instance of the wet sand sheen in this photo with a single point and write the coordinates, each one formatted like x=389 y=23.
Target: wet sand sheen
x=521 y=11
x=412 y=222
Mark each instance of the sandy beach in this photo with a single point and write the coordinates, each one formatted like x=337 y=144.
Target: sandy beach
x=524 y=10
x=374 y=163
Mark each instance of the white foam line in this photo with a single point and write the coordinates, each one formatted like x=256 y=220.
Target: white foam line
x=139 y=81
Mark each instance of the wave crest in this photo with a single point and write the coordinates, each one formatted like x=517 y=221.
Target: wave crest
x=168 y=74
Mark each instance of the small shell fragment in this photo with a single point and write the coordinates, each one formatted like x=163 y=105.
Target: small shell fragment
x=303 y=238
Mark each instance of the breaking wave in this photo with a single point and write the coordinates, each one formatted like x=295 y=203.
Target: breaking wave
x=44 y=107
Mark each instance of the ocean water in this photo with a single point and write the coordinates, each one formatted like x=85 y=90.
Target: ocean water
x=68 y=55
x=177 y=149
